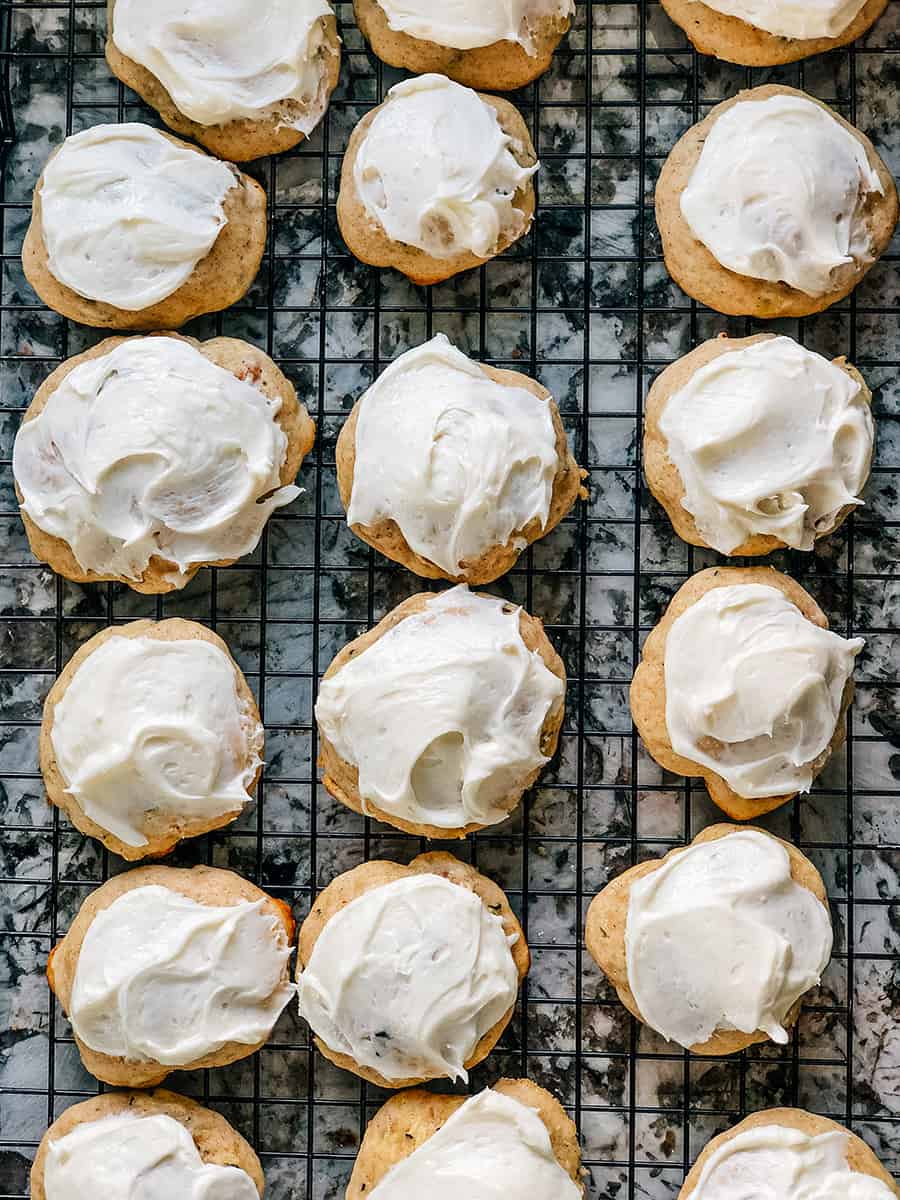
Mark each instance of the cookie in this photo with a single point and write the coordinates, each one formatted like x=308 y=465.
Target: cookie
x=121 y=380
x=423 y=891
x=611 y=914
x=397 y=205
x=135 y=764
x=470 y=473
x=442 y=684
x=786 y=175
x=793 y=409
x=502 y=65
x=150 y=919
x=92 y=249
x=245 y=115
x=649 y=701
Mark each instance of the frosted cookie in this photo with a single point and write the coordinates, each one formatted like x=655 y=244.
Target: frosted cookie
x=498 y=45
x=133 y=229
x=743 y=684
x=143 y=970
x=768 y=33
x=789 y=1154
x=436 y=180
x=714 y=945
x=773 y=206
x=513 y=1139
x=453 y=468
x=410 y=973
x=153 y=1144
x=438 y=719
x=175 y=749
x=242 y=77
x=753 y=444
x=145 y=458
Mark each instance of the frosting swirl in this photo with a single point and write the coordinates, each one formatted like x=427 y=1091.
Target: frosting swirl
x=163 y=979
x=435 y=170
x=151 y=451
x=468 y=24
x=461 y=463
x=721 y=937
x=127 y=213
x=754 y=689
x=770 y=439
x=793 y=18
x=777 y=191
x=442 y=715
x=172 y=737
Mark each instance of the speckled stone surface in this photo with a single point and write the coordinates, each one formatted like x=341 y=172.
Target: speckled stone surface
x=583 y=303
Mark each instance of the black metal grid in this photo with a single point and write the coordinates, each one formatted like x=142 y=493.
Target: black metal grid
x=583 y=304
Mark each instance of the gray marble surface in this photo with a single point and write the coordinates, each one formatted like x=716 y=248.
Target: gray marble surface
x=585 y=304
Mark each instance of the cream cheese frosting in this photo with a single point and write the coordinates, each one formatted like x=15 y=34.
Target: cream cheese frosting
x=163 y=979
x=435 y=170
x=777 y=193
x=127 y=213
x=151 y=451
x=754 y=689
x=131 y=1157
x=721 y=937
x=408 y=977
x=224 y=60
x=442 y=715
x=458 y=461
x=793 y=18
x=770 y=439
x=786 y=1164
x=491 y=1147
x=468 y=24
x=172 y=735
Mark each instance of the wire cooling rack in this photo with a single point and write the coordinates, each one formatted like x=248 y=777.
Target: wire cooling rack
x=585 y=305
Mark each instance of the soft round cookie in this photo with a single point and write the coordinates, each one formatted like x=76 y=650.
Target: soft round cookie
x=384 y=685
x=441 y=226
x=727 y=36
x=135 y=764
x=85 y=258
x=696 y=269
x=802 y=507
x=190 y=906
x=802 y=1157
x=611 y=911
x=156 y=386
x=430 y=449
x=392 y=1008
x=501 y=65
x=238 y=117
x=216 y=1143
x=648 y=695
x=410 y=1120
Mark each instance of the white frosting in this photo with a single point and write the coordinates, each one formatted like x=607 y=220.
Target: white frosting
x=754 y=689
x=163 y=979
x=721 y=937
x=172 y=735
x=223 y=60
x=458 y=461
x=777 y=191
x=408 y=977
x=127 y=214
x=785 y=1164
x=467 y=24
x=491 y=1147
x=152 y=450
x=131 y=1157
x=793 y=18
x=435 y=170
x=443 y=714
x=771 y=439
